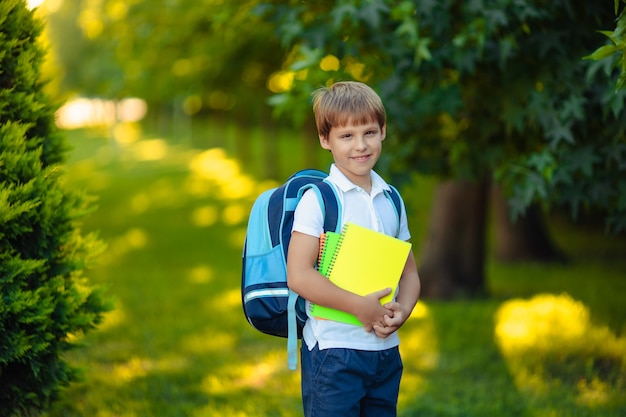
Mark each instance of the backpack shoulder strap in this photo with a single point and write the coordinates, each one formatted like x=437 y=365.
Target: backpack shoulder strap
x=394 y=196
x=329 y=203
x=332 y=204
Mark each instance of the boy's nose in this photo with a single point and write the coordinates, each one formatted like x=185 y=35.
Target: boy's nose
x=361 y=143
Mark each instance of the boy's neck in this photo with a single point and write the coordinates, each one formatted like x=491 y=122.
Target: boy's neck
x=362 y=181
x=367 y=187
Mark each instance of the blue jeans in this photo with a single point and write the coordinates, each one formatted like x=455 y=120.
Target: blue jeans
x=350 y=383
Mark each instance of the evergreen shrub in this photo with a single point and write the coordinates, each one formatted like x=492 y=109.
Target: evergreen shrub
x=45 y=300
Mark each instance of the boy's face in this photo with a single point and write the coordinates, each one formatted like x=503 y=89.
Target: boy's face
x=355 y=149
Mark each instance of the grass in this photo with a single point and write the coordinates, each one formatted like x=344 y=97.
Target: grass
x=549 y=341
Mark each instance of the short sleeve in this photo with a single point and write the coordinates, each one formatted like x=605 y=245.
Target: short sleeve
x=308 y=217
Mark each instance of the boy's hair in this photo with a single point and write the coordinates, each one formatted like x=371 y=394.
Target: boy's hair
x=344 y=102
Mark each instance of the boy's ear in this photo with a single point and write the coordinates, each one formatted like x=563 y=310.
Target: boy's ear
x=324 y=142
x=383 y=132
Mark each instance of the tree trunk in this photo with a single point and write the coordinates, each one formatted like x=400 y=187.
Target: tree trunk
x=454 y=257
x=525 y=239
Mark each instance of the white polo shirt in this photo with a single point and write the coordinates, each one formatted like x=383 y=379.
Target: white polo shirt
x=373 y=211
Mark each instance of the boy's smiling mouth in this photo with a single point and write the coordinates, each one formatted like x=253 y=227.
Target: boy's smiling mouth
x=361 y=158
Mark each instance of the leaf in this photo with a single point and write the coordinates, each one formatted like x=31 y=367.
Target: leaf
x=371 y=12
x=602 y=52
x=621 y=82
x=617 y=99
x=543 y=163
x=616 y=152
x=609 y=34
x=560 y=132
x=290 y=31
x=573 y=108
x=407 y=28
x=422 y=52
x=584 y=159
x=309 y=57
x=496 y=18
x=339 y=13
x=507 y=45
x=403 y=11
x=601 y=193
x=562 y=176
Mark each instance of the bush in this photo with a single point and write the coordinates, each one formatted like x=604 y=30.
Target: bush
x=44 y=297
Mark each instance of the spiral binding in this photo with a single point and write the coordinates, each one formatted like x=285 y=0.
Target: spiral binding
x=334 y=258
x=321 y=250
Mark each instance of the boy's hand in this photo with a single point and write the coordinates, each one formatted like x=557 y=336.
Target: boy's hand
x=372 y=313
x=392 y=322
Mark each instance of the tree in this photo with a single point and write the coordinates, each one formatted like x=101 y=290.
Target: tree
x=44 y=297
x=476 y=92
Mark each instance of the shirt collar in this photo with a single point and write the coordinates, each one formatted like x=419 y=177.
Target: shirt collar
x=345 y=185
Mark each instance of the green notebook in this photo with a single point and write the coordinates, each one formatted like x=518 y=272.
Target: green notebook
x=330 y=242
x=362 y=261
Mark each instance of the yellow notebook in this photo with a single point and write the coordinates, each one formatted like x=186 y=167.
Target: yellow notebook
x=364 y=261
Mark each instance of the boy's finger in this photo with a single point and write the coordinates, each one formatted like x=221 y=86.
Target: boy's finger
x=382 y=293
x=388 y=320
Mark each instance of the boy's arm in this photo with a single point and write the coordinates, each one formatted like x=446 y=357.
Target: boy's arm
x=304 y=279
x=408 y=294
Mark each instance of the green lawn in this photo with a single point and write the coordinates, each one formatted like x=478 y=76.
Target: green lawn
x=549 y=341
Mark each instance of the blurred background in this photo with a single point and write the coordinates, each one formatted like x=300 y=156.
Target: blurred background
x=509 y=149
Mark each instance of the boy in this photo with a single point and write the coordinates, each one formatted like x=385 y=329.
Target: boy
x=350 y=370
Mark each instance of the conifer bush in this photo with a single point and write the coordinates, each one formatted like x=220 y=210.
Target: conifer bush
x=45 y=299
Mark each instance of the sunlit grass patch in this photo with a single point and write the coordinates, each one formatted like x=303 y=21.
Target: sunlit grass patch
x=223 y=173
x=421 y=352
x=551 y=344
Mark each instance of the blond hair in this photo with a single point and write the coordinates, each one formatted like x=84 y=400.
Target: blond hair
x=345 y=102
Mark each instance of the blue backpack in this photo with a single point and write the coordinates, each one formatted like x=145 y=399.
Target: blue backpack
x=268 y=303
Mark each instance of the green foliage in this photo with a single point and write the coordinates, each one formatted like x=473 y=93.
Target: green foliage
x=475 y=88
x=43 y=296
x=212 y=53
x=617 y=45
